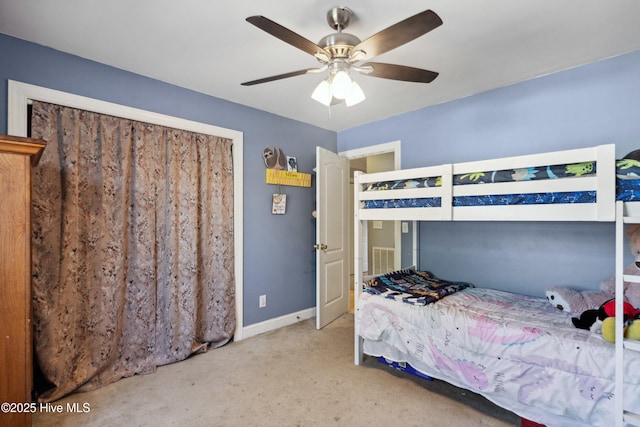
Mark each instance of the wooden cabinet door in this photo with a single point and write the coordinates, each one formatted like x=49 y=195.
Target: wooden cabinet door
x=16 y=367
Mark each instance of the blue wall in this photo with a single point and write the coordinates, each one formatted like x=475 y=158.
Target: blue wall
x=279 y=259
x=590 y=105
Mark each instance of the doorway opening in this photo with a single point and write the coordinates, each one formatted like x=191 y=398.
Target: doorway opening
x=384 y=238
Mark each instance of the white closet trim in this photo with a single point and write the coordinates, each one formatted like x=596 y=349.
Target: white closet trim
x=21 y=94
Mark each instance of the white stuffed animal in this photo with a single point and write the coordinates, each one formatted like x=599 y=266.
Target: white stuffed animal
x=574 y=301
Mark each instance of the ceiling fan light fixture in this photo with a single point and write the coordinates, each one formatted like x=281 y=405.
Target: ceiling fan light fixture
x=356 y=96
x=341 y=52
x=322 y=93
x=341 y=85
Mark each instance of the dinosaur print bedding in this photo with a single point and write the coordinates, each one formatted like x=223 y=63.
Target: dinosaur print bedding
x=627 y=188
x=518 y=351
x=489 y=200
x=506 y=175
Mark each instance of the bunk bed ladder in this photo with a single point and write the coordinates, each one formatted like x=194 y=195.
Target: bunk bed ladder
x=621 y=415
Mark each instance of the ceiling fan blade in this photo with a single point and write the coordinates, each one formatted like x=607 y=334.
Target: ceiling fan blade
x=399 y=34
x=399 y=72
x=288 y=36
x=281 y=76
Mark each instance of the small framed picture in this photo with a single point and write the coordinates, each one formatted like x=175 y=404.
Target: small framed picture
x=279 y=204
x=292 y=164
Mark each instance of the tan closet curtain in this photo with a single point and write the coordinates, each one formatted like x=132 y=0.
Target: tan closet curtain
x=133 y=247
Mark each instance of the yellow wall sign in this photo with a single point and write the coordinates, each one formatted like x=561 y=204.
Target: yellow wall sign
x=282 y=177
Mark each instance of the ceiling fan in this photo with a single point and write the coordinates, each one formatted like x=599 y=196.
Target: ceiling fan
x=340 y=53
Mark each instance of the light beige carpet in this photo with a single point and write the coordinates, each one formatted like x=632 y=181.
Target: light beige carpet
x=295 y=376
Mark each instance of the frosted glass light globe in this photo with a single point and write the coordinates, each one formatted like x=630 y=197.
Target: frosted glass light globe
x=356 y=96
x=322 y=94
x=341 y=85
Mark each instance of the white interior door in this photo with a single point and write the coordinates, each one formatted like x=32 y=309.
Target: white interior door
x=332 y=236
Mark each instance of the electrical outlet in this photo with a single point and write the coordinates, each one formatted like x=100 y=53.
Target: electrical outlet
x=263 y=301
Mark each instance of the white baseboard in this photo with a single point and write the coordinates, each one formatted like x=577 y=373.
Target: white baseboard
x=276 y=323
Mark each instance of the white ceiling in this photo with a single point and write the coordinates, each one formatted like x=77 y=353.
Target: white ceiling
x=207 y=45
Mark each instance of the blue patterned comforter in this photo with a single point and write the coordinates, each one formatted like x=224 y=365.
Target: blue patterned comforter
x=413 y=287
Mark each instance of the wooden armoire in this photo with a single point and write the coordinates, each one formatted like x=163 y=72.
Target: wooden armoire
x=17 y=157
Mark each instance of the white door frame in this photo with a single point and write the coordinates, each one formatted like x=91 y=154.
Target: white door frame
x=21 y=94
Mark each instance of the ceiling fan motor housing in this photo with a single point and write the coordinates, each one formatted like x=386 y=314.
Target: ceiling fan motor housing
x=339 y=44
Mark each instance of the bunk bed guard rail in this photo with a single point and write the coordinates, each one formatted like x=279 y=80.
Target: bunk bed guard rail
x=434 y=193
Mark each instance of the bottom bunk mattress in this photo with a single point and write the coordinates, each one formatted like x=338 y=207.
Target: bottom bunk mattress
x=518 y=351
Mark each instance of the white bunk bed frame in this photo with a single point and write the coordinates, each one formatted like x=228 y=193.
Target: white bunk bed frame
x=605 y=209
x=626 y=213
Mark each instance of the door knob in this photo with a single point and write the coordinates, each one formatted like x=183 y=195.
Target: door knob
x=320 y=246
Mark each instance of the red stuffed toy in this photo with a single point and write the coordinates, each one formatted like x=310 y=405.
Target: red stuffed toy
x=592 y=319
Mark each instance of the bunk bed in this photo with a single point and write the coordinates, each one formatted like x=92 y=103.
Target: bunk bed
x=516 y=350
x=627 y=212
